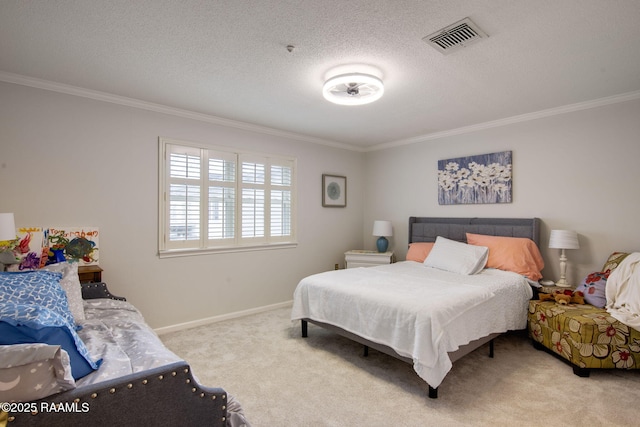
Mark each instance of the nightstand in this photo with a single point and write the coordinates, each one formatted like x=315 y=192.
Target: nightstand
x=551 y=289
x=360 y=258
x=89 y=273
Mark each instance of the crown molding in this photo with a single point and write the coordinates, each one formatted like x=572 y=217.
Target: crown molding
x=159 y=108
x=600 y=102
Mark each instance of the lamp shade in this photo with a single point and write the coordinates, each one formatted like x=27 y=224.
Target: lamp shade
x=7 y=227
x=564 y=239
x=382 y=228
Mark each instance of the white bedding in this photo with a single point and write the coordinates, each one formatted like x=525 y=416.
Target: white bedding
x=623 y=291
x=421 y=312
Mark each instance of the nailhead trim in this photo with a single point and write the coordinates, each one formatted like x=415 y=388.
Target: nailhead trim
x=146 y=381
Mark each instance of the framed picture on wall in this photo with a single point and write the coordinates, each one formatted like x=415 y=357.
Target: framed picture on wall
x=484 y=178
x=334 y=191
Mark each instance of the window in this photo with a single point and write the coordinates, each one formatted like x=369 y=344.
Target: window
x=217 y=200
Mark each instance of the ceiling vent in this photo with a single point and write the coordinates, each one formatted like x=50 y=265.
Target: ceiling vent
x=456 y=36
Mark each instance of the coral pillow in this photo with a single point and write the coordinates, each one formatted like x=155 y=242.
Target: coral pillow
x=593 y=287
x=517 y=254
x=419 y=251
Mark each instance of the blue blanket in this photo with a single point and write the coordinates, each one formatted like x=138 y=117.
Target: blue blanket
x=31 y=323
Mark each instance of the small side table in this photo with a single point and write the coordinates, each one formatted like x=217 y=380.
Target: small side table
x=553 y=288
x=90 y=273
x=360 y=258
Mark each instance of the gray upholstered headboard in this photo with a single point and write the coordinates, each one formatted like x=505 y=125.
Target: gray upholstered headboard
x=426 y=229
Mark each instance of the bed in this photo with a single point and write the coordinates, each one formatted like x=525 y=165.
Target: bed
x=422 y=312
x=109 y=369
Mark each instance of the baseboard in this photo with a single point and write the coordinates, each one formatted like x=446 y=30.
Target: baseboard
x=222 y=317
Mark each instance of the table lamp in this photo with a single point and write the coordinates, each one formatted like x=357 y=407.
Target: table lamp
x=563 y=239
x=383 y=229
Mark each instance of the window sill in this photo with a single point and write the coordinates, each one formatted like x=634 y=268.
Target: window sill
x=173 y=253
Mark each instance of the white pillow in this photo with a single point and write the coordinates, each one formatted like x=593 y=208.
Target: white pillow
x=457 y=257
x=33 y=371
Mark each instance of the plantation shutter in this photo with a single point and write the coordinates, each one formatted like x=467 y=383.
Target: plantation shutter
x=184 y=195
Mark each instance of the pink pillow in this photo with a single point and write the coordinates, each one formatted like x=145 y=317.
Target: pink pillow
x=517 y=254
x=418 y=251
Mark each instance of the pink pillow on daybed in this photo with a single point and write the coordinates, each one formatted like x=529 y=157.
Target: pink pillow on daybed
x=517 y=254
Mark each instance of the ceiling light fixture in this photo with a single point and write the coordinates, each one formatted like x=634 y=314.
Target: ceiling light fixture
x=353 y=89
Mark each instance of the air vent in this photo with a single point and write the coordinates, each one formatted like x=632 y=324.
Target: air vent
x=456 y=36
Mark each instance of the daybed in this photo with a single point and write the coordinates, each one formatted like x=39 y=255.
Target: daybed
x=587 y=336
x=433 y=312
x=133 y=378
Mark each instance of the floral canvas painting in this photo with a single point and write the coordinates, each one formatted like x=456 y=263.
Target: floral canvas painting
x=484 y=178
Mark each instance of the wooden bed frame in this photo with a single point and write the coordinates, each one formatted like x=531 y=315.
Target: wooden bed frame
x=426 y=229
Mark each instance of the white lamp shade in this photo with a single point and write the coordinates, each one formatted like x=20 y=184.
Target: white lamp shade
x=382 y=228
x=564 y=239
x=7 y=227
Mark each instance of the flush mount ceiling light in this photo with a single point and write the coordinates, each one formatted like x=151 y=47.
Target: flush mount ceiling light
x=353 y=89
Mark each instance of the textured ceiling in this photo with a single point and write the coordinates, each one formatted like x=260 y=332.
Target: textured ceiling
x=228 y=58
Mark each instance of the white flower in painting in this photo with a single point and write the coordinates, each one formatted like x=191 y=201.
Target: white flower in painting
x=466 y=182
x=474 y=166
x=452 y=166
x=446 y=180
x=463 y=173
x=481 y=181
x=491 y=171
x=448 y=186
x=500 y=188
x=505 y=174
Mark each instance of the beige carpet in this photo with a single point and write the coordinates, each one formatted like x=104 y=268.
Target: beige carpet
x=284 y=380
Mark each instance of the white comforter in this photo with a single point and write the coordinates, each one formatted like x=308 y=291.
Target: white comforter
x=623 y=291
x=421 y=312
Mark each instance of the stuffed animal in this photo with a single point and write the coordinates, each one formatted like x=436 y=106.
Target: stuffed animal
x=564 y=297
x=561 y=298
x=577 y=297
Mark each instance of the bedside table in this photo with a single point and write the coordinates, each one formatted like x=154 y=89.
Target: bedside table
x=551 y=289
x=359 y=258
x=89 y=273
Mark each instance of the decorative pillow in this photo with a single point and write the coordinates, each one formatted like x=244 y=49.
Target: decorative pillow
x=517 y=254
x=30 y=323
x=614 y=261
x=36 y=287
x=33 y=371
x=456 y=257
x=419 y=251
x=70 y=283
x=593 y=287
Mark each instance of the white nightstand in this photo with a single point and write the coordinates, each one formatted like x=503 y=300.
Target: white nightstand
x=358 y=258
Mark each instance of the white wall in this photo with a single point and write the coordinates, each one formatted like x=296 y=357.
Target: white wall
x=67 y=160
x=576 y=170
x=73 y=161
